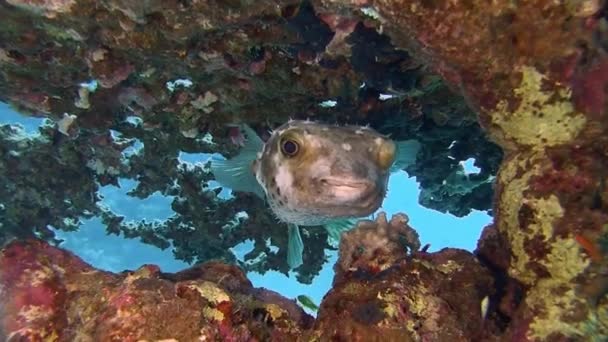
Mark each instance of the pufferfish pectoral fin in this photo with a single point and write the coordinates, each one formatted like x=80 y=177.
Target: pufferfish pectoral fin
x=406 y=154
x=295 y=246
x=335 y=228
x=236 y=173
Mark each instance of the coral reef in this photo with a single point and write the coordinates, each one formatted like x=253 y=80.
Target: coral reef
x=50 y=295
x=147 y=76
x=537 y=92
x=533 y=74
x=385 y=288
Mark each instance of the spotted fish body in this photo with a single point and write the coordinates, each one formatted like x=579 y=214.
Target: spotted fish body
x=316 y=174
x=336 y=172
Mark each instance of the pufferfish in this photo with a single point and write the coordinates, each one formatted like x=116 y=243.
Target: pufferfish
x=314 y=174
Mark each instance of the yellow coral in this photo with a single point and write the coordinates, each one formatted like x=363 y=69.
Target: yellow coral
x=546 y=212
x=565 y=263
x=540 y=298
x=449 y=267
x=351 y=289
x=38 y=277
x=210 y=292
x=389 y=299
x=542 y=118
x=213 y=314
x=509 y=204
x=31 y=313
x=423 y=304
x=274 y=310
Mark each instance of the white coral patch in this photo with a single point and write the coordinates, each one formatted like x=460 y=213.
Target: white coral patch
x=65 y=123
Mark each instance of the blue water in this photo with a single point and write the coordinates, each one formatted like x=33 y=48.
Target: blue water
x=113 y=253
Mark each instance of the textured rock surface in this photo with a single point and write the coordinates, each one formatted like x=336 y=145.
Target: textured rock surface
x=50 y=295
x=535 y=73
x=382 y=292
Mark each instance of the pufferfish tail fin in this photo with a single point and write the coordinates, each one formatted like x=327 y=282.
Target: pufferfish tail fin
x=236 y=173
x=295 y=246
x=335 y=228
x=406 y=154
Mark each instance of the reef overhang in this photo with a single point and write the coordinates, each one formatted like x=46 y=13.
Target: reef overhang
x=533 y=75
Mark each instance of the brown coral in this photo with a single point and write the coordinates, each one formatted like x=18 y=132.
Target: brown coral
x=373 y=246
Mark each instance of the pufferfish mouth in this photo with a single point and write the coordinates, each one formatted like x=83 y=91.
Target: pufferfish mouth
x=349 y=190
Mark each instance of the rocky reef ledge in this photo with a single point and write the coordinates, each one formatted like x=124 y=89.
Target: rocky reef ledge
x=385 y=288
x=49 y=294
x=381 y=290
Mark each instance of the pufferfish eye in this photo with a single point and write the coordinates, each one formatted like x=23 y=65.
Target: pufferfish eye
x=289 y=147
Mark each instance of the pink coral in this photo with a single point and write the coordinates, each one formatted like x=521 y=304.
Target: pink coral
x=588 y=88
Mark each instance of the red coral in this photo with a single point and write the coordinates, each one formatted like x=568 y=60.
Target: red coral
x=108 y=70
x=588 y=88
x=561 y=181
x=565 y=68
x=258 y=67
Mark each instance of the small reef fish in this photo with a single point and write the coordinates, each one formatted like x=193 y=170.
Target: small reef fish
x=314 y=174
x=307 y=302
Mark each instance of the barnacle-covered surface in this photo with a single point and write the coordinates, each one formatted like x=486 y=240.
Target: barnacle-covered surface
x=534 y=72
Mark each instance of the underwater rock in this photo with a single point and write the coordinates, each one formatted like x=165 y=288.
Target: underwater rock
x=536 y=75
x=50 y=294
x=391 y=295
